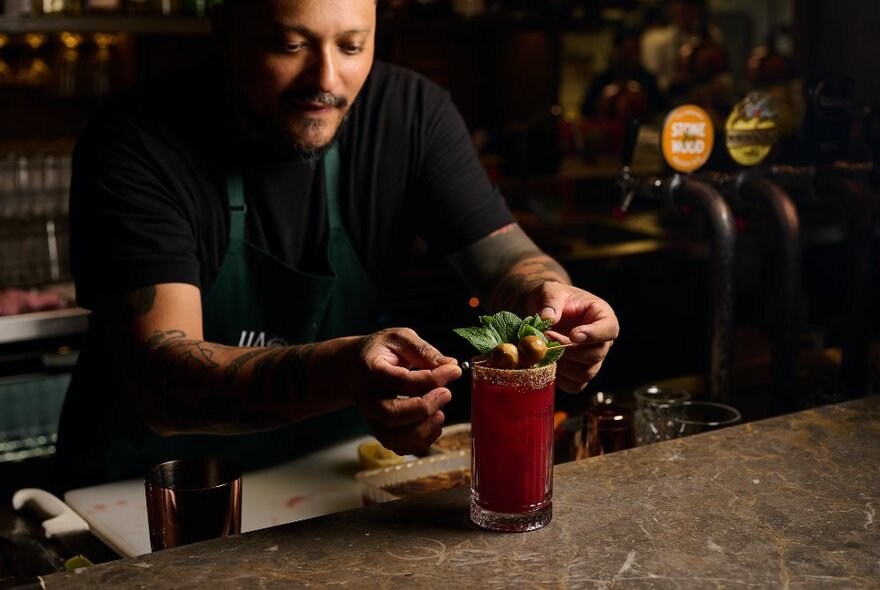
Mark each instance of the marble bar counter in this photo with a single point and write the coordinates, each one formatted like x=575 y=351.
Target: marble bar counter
x=789 y=502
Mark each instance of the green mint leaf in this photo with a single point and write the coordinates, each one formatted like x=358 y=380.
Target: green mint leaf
x=488 y=322
x=507 y=325
x=482 y=338
x=536 y=322
x=554 y=351
x=530 y=330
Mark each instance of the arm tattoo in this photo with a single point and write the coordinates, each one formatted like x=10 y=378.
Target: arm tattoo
x=159 y=337
x=235 y=366
x=505 y=267
x=207 y=413
x=294 y=374
x=260 y=374
x=136 y=303
x=184 y=356
x=191 y=363
x=513 y=290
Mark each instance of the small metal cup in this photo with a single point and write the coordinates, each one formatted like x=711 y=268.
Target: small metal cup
x=192 y=500
x=607 y=428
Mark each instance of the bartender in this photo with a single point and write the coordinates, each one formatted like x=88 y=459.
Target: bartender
x=231 y=226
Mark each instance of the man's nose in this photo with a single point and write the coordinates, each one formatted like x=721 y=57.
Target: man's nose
x=323 y=70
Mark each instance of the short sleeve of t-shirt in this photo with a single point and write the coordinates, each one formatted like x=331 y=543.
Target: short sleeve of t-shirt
x=128 y=226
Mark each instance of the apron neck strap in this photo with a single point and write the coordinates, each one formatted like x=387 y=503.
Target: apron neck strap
x=331 y=181
x=237 y=206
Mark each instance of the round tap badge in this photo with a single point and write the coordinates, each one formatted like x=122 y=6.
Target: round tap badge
x=687 y=138
x=752 y=129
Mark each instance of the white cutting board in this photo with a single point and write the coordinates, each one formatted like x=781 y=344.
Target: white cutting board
x=310 y=486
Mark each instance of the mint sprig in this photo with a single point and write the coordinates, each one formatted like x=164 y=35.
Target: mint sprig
x=505 y=326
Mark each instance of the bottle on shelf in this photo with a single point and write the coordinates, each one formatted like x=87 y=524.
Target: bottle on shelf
x=36 y=71
x=100 y=60
x=156 y=7
x=57 y=7
x=16 y=8
x=33 y=218
x=69 y=63
x=6 y=74
x=103 y=6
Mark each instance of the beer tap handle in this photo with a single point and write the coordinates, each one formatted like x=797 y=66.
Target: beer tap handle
x=619 y=212
x=630 y=135
x=626 y=180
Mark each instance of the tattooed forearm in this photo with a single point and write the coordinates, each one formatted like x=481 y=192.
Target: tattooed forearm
x=190 y=362
x=211 y=413
x=236 y=365
x=513 y=290
x=159 y=337
x=294 y=374
x=200 y=386
x=184 y=359
x=505 y=267
x=261 y=374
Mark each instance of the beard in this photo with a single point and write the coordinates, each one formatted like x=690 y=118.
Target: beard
x=290 y=141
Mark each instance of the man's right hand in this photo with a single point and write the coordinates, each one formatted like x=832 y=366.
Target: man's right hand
x=399 y=382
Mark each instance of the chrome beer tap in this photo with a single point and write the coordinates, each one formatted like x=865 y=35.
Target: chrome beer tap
x=684 y=190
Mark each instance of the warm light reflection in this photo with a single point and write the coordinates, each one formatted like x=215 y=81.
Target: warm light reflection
x=71 y=40
x=35 y=40
x=105 y=40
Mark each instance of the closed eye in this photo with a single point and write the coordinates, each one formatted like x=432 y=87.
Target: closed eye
x=352 y=48
x=290 y=47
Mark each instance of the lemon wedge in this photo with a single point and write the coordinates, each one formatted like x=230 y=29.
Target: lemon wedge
x=76 y=562
x=373 y=455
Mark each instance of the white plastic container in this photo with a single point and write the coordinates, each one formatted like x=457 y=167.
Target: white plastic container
x=454 y=438
x=373 y=483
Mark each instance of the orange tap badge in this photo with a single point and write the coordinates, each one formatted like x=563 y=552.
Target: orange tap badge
x=688 y=137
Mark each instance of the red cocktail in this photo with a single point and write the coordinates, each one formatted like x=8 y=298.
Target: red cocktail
x=512 y=455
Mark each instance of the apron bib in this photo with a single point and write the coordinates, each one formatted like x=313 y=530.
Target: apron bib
x=258 y=300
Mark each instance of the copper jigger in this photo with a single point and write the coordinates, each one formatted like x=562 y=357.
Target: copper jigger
x=192 y=500
x=607 y=428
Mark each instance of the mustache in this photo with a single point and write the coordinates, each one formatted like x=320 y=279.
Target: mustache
x=326 y=98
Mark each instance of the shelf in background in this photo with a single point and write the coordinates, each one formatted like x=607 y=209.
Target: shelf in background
x=136 y=25
x=192 y=25
x=43 y=325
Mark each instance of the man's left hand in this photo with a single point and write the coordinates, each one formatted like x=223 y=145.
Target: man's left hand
x=578 y=317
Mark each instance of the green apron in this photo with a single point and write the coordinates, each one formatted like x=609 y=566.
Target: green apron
x=258 y=300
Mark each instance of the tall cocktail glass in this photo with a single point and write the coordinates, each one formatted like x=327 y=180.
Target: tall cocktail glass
x=512 y=454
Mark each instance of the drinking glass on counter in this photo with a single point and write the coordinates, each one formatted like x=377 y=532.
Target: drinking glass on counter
x=701 y=416
x=192 y=500
x=512 y=454
x=657 y=407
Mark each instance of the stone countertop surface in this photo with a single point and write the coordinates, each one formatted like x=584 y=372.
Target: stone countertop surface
x=788 y=502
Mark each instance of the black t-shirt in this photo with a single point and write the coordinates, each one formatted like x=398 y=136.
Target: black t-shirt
x=149 y=206
x=148 y=198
